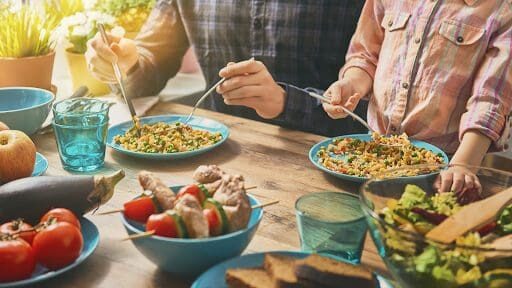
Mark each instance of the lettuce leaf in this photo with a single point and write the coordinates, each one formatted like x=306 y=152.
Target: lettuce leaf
x=413 y=196
x=505 y=221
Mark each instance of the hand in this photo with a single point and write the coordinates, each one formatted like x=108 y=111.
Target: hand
x=99 y=56
x=342 y=93
x=457 y=179
x=250 y=84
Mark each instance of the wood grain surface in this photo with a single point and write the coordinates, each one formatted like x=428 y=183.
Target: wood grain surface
x=273 y=158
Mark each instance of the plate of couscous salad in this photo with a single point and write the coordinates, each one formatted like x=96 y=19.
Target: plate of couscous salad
x=358 y=157
x=167 y=137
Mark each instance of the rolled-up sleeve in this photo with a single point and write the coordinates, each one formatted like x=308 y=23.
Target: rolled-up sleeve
x=161 y=44
x=366 y=43
x=490 y=106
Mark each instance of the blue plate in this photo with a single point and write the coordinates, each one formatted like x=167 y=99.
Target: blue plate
x=215 y=277
x=40 y=166
x=196 y=122
x=365 y=137
x=91 y=240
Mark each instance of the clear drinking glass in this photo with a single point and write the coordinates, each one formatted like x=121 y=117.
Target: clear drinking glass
x=331 y=223
x=80 y=127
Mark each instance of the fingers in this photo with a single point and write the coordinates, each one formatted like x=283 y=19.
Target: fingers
x=250 y=66
x=478 y=185
x=251 y=102
x=334 y=92
x=446 y=181
x=242 y=92
x=337 y=112
x=458 y=182
x=334 y=111
x=238 y=82
x=101 y=49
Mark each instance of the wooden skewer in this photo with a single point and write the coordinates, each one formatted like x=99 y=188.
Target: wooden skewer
x=121 y=210
x=111 y=212
x=140 y=235
x=265 y=204
x=151 y=233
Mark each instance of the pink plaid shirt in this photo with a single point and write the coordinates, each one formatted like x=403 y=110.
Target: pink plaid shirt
x=440 y=68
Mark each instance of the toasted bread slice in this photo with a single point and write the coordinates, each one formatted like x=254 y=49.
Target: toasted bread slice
x=327 y=272
x=248 y=278
x=282 y=270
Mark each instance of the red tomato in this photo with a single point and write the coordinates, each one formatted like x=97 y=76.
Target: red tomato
x=163 y=225
x=58 y=245
x=62 y=215
x=16 y=226
x=193 y=190
x=213 y=221
x=17 y=261
x=140 y=209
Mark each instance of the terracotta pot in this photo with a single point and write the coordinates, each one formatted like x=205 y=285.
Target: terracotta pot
x=80 y=76
x=27 y=71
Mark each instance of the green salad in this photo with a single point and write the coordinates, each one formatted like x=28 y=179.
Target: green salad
x=435 y=265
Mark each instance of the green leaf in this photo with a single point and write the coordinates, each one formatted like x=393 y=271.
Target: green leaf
x=505 y=220
x=412 y=196
x=441 y=273
x=426 y=260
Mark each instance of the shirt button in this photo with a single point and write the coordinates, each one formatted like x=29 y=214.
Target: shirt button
x=390 y=23
x=417 y=40
x=460 y=39
x=405 y=85
x=257 y=24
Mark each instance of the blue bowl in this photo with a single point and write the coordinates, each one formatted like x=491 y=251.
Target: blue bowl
x=25 y=108
x=313 y=157
x=190 y=257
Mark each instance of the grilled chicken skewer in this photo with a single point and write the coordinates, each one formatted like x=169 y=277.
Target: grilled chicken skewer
x=191 y=211
x=163 y=194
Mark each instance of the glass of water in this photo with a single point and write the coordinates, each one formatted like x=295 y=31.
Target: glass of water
x=331 y=223
x=80 y=127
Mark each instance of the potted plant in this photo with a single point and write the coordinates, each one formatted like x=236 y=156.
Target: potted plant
x=129 y=14
x=77 y=30
x=26 y=46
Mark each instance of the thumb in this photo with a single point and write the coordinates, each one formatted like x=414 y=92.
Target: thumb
x=115 y=47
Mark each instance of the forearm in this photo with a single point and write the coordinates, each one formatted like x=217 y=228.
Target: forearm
x=362 y=80
x=161 y=45
x=472 y=149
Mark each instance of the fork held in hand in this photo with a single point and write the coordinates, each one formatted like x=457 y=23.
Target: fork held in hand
x=203 y=98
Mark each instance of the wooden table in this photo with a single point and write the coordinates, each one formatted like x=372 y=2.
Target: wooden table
x=273 y=158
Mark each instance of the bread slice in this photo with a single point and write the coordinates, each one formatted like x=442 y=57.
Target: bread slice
x=327 y=272
x=248 y=278
x=282 y=270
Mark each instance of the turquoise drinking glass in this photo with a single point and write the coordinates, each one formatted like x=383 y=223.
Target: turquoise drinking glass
x=80 y=127
x=332 y=223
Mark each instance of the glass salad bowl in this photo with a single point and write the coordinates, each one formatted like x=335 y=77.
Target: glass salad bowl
x=401 y=210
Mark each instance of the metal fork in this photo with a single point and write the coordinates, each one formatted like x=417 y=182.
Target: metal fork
x=203 y=98
x=354 y=115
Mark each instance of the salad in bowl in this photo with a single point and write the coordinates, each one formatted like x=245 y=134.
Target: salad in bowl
x=402 y=211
